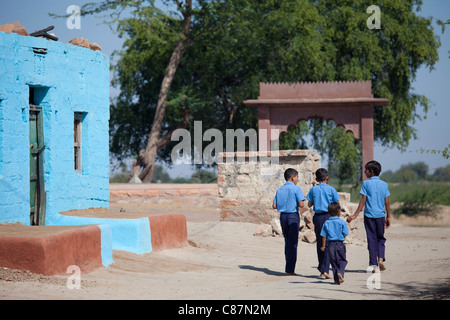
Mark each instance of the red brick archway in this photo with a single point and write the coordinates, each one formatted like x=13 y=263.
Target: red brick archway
x=350 y=104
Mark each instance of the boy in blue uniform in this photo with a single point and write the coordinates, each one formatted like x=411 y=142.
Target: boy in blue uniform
x=333 y=234
x=320 y=196
x=287 y=200
x=375 y=201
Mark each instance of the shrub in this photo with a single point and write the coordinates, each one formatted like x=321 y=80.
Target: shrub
x=421 y=199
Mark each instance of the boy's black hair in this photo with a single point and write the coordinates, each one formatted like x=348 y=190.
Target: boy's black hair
x=373 y=166
x=321 y=174
x=334 y=208
x=290 y=173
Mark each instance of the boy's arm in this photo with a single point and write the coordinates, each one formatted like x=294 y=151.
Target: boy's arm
x=309 y=197
x=323 y=234
x=345 y=231
x=274 y=203
x=361 y=205
x=388 y=212
x=324 y=241
x=300 y=198
x=336 y=196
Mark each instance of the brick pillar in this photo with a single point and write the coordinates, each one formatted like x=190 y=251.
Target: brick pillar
x=366 y=128
x=264 y=128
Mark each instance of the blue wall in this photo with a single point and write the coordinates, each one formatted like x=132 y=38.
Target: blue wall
x=68 y=79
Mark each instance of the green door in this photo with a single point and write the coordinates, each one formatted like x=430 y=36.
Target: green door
x=37 y=190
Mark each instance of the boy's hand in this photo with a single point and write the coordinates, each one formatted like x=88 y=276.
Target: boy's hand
x=322 y=248
x=387 y=222
x=350 y=218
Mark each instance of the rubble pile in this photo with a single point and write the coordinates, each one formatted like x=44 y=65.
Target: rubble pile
x=17 y=27
x=306 y=230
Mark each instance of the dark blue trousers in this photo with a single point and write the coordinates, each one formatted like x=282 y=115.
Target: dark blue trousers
x=337 y=253
x=375 y=239
x=290 y=224
x=324 y=261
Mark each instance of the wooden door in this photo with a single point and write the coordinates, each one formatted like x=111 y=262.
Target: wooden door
x=37 y=190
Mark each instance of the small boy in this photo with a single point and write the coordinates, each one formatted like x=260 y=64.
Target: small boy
x=320 y=196
x=333 y=235
x=287 y=200
x=375 y=201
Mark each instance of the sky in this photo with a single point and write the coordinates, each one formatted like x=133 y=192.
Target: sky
x=433 y=133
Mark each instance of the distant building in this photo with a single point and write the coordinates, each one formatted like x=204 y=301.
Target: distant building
x=54 y=143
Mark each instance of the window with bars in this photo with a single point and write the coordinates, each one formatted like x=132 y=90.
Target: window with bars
x=77 y=145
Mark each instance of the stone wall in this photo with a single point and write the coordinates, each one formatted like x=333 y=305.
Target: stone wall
x=247 y=188
x=191 y=195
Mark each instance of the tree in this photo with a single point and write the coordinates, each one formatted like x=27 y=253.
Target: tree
x=147 y=19
x=443 y=25
x=389 y=57
x=406 y=175
x=213 y=79
x=389 y=176
x=228 y=47
x=146 y=161
x=420 y=168
x=442 y=174
x=203 y=176
x=445 y=153
x=160 y=175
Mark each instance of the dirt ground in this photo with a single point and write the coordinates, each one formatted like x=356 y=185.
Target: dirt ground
x=224 y=260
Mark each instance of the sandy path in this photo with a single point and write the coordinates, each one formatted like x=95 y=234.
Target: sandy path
x=225 y=261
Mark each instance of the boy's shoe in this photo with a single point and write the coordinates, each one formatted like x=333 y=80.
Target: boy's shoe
x=373 y=269
x=325 y=275
x=341 y=278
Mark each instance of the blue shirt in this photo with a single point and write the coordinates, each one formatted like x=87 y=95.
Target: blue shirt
x=376 y=191
x=322 y=195
x=334 y=229
x=288 y=197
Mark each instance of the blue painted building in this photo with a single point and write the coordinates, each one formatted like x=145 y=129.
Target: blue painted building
x=54 y=140
x=54 y=113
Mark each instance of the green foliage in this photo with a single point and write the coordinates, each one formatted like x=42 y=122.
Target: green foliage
x=413 y=198
x=421 y=198
x=343 y=151
x=162 y=176
x=150 y=36
x=418 y=171
x=203 y=176
x=445 y=153
x=390 y=57
x=412 y=187
x=416 y=202
x=238 y=43
x=443 y=25
x=406 y=175
x=441 y=174
x=439 y=193
x=119 y=178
